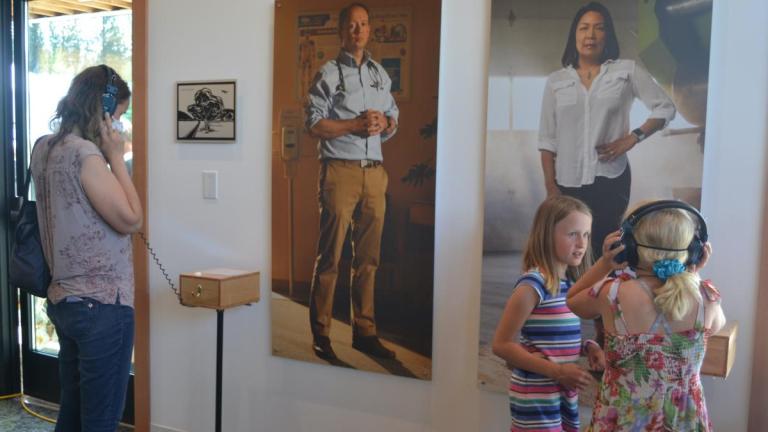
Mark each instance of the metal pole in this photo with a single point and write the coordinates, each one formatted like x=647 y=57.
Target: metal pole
x=219 y=353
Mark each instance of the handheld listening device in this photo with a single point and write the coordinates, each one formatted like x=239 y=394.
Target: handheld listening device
x=109 y=97
x=629 y=254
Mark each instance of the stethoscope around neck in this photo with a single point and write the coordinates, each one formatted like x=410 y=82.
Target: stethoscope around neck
x=373 y=72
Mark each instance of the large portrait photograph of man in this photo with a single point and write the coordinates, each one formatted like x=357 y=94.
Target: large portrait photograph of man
x=604 y=102
x=353 y=181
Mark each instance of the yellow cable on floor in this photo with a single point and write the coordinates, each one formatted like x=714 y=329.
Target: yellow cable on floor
x=26 y=408
x=40 y=416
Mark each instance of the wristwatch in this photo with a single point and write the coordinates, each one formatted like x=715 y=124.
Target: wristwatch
x=639 y=134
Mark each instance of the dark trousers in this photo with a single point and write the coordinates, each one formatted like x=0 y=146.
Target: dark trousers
x=96 y=344
x=608 y=199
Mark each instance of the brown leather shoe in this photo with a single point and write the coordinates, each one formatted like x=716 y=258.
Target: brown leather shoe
x=321 y=345
x=371 y=345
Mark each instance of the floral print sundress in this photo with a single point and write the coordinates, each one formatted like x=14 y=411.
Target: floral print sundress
x=651 y=381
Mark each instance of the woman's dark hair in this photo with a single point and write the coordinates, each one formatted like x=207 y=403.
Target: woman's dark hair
x=611 y=49
x=344 y=14
x=82 y=106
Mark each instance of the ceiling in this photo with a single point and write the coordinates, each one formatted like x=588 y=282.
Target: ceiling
x=52 y=8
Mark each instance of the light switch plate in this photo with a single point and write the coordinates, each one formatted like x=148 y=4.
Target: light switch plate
x=210 y=184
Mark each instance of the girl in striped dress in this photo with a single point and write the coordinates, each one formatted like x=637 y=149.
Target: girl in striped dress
x=538 y=336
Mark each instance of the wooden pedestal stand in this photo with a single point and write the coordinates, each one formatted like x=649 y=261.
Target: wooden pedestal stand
x=219 y=289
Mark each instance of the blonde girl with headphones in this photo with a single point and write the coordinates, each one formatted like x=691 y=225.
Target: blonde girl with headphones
x=657 y=324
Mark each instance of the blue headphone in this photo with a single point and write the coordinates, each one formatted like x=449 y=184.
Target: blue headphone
x=109 y=97
x=694 y=249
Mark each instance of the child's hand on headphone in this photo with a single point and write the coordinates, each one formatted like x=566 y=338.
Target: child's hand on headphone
x=706 y=252
x=612 y=246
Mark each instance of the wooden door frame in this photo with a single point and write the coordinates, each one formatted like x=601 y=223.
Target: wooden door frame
x=140 y=256
x=759 y=389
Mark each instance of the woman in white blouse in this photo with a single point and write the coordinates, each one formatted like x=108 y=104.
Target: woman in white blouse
x=585 y=133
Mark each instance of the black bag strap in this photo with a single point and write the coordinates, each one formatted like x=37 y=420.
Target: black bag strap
x=21 y=200
x=28 y=179
x=15 y=213
x=27 y=184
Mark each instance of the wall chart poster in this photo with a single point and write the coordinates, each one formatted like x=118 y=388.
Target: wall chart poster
x=390 y=45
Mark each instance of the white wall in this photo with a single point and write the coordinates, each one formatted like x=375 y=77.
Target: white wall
x=734 y=186
x=193 y=39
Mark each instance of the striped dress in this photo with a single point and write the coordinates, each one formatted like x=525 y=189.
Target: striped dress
x=536 y=402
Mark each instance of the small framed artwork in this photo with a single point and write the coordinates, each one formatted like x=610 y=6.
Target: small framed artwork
x=205 y=111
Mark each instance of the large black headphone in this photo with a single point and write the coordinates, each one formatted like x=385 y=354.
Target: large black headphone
x=694 y=249
x=109 y=97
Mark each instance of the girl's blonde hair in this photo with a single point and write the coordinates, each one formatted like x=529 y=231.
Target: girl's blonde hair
x=540 y=250
x=671 y=229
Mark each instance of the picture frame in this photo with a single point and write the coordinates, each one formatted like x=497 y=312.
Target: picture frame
x=400 y=284
x=528 y=47
x=206 y=111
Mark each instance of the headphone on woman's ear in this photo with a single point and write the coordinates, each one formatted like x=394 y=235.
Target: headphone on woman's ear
x=695 y=247
x=109 y=97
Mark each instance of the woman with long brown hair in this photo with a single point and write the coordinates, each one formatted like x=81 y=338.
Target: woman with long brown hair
x=87 y=208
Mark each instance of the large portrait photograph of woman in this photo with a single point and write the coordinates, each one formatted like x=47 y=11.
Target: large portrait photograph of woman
x=604 y=102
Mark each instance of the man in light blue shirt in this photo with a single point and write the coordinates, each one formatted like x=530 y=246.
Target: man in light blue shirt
x=350 y=108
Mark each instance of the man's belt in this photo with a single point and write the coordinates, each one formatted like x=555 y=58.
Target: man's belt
x=364 y=163
x=369 y=163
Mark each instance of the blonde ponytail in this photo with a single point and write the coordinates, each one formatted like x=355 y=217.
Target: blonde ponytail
x=671 y=231
x=677 y=295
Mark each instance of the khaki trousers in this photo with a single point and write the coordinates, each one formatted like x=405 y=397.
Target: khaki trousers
x=348 y=194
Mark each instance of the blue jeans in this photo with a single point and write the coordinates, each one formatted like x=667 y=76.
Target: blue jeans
x=96 y=343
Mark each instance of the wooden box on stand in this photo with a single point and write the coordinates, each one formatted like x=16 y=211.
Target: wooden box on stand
x=721 y=351
x=219 y=288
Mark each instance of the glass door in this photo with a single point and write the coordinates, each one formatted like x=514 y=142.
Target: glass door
x=10 y=381
x=53 y=41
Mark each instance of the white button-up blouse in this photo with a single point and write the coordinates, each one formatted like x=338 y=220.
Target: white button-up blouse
x=574 y=120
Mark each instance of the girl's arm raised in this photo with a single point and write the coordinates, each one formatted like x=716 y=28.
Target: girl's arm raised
x=579 y=300
x=505 y=342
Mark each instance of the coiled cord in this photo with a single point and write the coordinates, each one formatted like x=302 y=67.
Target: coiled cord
x=159 y=265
